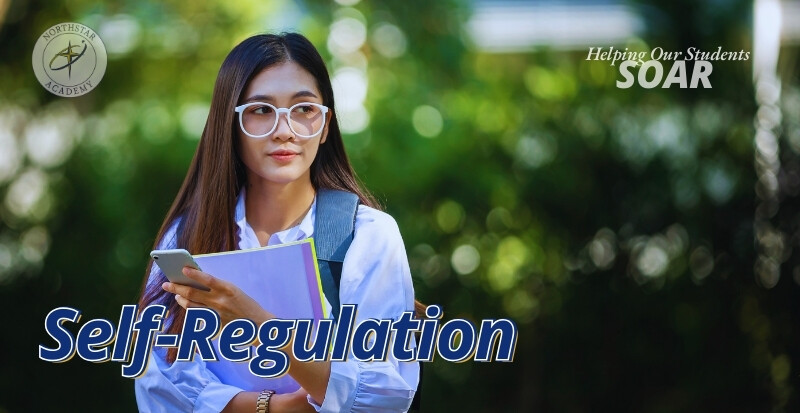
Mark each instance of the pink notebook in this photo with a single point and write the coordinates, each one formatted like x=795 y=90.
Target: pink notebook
x=284 y=280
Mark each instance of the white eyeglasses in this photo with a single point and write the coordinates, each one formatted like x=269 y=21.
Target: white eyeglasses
x=259 y=119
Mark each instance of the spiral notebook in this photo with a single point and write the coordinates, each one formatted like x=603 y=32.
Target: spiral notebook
x=284 y=279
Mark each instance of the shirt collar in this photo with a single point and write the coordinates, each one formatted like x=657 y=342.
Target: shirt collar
x=303 y=230
x=306 y=226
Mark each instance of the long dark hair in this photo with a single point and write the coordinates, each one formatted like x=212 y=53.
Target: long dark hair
x=207 y=198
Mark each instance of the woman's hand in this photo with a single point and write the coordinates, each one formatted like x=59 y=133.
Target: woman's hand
x=225 y=298
x=291 y=402
x=232 y=303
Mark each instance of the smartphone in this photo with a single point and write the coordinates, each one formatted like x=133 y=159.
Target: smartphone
x=172 y=262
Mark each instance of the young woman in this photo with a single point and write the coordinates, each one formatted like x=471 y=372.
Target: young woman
x=270 y=143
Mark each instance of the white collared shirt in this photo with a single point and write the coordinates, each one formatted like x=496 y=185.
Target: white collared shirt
x=375 y=276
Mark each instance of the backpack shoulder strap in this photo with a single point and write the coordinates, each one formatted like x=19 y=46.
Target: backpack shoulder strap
x=334 y=227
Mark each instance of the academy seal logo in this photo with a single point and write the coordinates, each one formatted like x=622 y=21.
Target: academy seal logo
x=69 y=59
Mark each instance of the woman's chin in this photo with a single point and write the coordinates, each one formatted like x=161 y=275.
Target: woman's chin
x=280 y=178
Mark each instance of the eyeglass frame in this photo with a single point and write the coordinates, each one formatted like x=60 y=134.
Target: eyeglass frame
x=240 y=109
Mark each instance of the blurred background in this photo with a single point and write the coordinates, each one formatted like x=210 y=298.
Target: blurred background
x=642 y=239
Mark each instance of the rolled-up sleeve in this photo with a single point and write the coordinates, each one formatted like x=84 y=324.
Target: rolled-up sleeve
x=185 y=386
x=376 y=277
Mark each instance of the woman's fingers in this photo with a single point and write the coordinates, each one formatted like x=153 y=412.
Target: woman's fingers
x=223 y=297
x=203 y=278
x=185 y=291
x=183 y=302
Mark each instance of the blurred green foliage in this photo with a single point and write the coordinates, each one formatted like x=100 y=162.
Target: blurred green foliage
x=613 y=225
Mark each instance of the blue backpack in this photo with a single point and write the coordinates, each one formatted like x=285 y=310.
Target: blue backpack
x=334 y=228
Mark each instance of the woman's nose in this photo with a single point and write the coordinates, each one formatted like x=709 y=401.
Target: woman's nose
x=282 y=130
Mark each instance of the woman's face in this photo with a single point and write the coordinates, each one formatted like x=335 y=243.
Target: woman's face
x=281 y=157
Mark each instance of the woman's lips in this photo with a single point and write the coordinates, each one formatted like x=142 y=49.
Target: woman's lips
x=283 y=156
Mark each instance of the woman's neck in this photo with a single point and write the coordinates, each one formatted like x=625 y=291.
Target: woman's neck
x=271 y=207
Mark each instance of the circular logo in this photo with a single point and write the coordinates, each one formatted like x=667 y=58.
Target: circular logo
x=69 y=59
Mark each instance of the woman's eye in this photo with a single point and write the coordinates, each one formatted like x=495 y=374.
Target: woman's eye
x=261 y=110
x=305 y=109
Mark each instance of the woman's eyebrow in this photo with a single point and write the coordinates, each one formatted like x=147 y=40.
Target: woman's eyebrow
x=302 y=93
